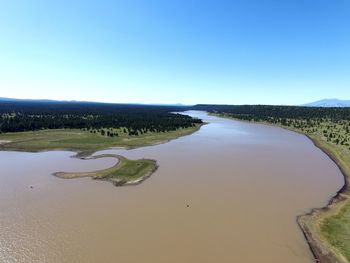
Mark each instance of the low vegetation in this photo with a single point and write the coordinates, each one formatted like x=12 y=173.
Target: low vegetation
x=336 y=229
x=327 y=230
x=86 y=127
x=125 y=172
x=83 y=141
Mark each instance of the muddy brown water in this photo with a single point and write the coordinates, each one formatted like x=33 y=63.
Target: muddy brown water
x=228 y=193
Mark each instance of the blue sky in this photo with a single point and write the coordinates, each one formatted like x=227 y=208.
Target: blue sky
x=233 y=52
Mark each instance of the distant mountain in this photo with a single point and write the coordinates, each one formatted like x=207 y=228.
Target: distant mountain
x=48 y=101
x=21 y=100
x=329 y=103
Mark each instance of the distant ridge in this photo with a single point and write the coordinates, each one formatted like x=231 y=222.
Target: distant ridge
x=34 y=100
x=9 y=100
x=329 y=103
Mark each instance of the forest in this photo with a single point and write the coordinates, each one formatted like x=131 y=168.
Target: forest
x=265 y=112
x=330 y=124
x=134 y=119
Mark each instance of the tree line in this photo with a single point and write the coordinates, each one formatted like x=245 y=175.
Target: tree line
x=332 y=124
x=18 y=116
x=266 y=112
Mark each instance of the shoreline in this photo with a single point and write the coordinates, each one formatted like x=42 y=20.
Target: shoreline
x=124 y=173
x=317 y=246
x=85 y=153
x=115 y=180
x=322 y=253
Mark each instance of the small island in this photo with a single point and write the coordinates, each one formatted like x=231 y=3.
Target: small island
x=88 y=127
x=124 y=172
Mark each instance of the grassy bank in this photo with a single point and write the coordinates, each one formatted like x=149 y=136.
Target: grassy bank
x=336 y=229
x=124 y=172
x=84 y=142
x=327 y=229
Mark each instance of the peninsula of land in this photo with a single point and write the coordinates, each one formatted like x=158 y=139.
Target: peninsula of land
x=86 y=127
x=124 y=172
x=85 y=143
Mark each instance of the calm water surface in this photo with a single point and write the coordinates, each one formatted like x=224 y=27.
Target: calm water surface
x=244 y=184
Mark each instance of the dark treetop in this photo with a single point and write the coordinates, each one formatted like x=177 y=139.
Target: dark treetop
x=330 y=124
x=22 y=115
x=265 y=112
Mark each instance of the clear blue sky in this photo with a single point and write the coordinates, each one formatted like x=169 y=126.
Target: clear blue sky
x=183 y=51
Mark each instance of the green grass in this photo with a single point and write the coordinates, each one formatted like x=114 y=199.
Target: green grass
x=336 y=229
x=124 y=172
x=84 y=143
x=332 y=227
x=81 y=141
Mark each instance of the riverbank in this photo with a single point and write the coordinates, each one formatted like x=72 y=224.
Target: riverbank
x=124 y=172
x=83 y=142
x=327 y=229
x=183 y=202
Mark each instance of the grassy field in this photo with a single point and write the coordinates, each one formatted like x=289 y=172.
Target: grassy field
x=82 y=141
x=329 y=229
x=336 y=230
x=85 y=142
x=125 y=172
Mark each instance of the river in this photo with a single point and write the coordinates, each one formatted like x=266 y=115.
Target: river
x=227 y=193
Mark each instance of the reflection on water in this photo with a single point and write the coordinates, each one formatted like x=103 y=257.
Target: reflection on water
x=244 y=185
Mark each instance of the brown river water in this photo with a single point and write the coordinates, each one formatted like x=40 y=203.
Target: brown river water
x=244 y=184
